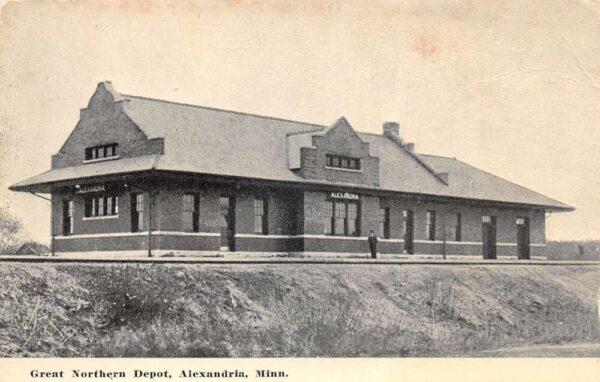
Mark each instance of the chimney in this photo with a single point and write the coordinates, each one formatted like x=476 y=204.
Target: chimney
x=391 y=128
x=410 y=147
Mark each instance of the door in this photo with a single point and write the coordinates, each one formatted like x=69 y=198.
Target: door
x=409 y=230
x=67 y=217
x=523 y=238
x=488 y=228
x=227 y=206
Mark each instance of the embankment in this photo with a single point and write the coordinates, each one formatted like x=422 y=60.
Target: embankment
x=291 y=310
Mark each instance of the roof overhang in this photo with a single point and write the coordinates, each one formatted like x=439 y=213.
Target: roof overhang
x=51 y=187
x=59 y=177
x=311 y=185
x=48 y=187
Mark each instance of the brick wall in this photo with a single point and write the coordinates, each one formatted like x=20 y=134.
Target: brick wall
x=297 y=214
x=86 y=226
x=340 y=140
x=314 y=213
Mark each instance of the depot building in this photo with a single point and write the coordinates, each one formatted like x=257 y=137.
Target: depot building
x=150 y=177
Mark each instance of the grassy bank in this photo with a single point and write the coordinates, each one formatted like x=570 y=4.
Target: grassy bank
x=291 y=310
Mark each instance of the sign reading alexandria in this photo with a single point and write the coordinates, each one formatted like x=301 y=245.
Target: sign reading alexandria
x=344 y=195
x=88 y=189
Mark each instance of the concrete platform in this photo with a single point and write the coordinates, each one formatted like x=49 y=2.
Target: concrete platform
x=229 y=258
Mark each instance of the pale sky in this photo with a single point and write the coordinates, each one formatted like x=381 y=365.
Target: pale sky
x=511 y=87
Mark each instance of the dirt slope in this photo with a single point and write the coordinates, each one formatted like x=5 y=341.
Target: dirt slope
x=291 y=310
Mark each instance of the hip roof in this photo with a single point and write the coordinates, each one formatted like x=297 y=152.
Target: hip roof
x=221 y=142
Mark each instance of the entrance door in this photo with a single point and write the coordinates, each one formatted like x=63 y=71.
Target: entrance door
x=523 y=238
x=488 y=228
x=409 y=230
x=227 y=206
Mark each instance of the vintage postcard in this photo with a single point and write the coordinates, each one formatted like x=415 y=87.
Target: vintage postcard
x=299 y=190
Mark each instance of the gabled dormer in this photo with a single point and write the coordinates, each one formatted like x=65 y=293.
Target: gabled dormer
x=105 y=132
x=334 y=154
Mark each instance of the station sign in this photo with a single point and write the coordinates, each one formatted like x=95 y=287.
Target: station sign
x=90 y=189
x=344 y=195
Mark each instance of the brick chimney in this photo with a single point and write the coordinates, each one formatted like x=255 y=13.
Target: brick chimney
x=391 y=128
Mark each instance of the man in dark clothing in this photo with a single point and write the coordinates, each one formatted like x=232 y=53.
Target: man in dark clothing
x=373 y=244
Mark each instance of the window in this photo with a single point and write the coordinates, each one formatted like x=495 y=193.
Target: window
x=344 y=162
x=430 y=225
x=101 y=205
x=384 y=222
x=352 y=226
x=68 y=217
x=339 y=221
x=457 y=227
x=109 y=205
x=261 y=218
x=329 y=217
x=101 y=211
x=342 y=218
x=137 y=212
x=191 y=206
x=486 y=219
x=102 y=152
x=521 y=221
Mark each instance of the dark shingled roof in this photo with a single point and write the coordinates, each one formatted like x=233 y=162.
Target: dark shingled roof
x=221 y=142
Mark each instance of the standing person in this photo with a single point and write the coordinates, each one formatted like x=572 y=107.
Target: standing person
x=373 y=244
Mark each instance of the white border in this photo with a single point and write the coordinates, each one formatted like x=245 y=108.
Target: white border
x=132 y=234
x=176 y=233
x=420 y=241
x=99 y=235
x=343 y=169
x=390 y=240
x=86 y=161
x=101 y=217
x=257 y=236
x=326 y=237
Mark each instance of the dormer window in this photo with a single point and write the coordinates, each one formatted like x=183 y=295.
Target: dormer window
x=102 y=152
x=342 y=162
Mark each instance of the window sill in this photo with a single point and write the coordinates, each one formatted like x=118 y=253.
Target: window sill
x=101 y=217
x=343 y=169
x=86 y=161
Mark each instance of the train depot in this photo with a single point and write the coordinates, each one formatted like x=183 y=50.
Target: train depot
x=151 y=177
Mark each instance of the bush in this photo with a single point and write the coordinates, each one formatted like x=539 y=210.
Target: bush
x=10 y=227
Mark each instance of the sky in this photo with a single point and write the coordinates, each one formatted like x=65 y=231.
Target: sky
x=511 y=87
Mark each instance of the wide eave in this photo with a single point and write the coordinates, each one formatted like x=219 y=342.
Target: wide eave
x=144 y=167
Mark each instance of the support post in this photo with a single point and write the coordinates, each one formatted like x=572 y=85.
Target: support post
x=444 y=244
x=149 y=224
x=52 y=231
